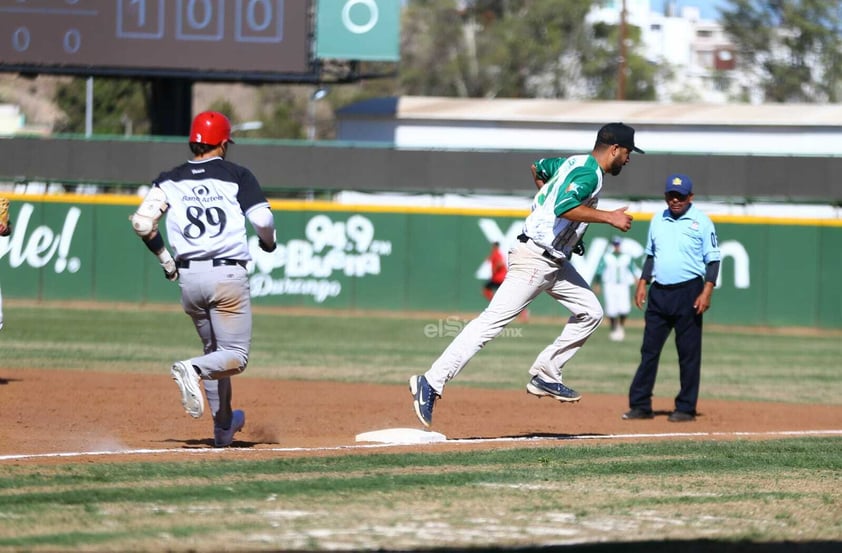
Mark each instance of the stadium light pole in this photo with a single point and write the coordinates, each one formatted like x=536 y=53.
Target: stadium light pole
x=621 y=69
x=317 y=95
x=247 y=126
x=89 y=107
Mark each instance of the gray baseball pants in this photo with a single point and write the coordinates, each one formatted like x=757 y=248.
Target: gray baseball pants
x=218 y=300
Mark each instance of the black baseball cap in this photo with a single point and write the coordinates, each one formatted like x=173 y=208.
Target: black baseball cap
x=618 y=133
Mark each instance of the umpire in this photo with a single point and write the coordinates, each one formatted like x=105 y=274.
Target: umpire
x=682 y=263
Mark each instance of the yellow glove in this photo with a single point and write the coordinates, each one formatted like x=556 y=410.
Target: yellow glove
x=5 y=229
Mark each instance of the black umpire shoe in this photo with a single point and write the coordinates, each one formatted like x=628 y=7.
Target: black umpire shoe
x=638 y=414
x=681 y=416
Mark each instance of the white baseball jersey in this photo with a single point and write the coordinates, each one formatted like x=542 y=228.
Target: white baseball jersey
x=616 y=268
x=573 y=181
x=616 y=272
x=209 y=201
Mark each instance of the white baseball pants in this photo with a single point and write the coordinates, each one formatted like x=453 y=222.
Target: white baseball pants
x=529 y=274
x=617 y=298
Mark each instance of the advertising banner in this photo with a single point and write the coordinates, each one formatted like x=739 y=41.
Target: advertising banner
x=403 y=259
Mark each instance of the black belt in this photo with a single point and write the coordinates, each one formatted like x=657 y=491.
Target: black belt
x=676 y=285
x=524 y=238
x=185 y=263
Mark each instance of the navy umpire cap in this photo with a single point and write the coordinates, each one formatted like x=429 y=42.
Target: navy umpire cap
x=618 y=133
x=679 y=183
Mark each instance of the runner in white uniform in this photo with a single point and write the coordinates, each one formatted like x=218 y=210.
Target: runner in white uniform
x=207 y=201
x=564 y=206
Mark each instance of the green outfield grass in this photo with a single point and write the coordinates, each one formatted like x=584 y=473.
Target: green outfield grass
x=678 y=496
x=782 y=496
x=795 y=365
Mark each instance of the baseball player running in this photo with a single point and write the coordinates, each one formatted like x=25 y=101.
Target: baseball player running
x=207 y=201
x=539 y=262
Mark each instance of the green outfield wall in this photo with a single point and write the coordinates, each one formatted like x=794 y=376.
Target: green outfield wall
x=777 y=272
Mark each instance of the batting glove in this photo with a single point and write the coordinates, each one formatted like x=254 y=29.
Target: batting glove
x=170 y=270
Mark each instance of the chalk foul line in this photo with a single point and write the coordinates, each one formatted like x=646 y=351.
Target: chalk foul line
x=457 y=441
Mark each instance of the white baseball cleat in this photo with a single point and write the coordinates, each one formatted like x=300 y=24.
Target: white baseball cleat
x=188 y=384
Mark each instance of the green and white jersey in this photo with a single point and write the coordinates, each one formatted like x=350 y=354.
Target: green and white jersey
x=568 y=182
x=616 y=269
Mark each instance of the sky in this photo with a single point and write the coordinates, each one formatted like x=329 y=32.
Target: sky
x=708 y=8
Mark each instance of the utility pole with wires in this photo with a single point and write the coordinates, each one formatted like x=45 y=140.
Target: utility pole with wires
x=621 y=66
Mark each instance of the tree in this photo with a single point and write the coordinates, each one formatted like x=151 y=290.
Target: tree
x=225 y=107
x=491 y=48
x=283 y=112
x=431 y=49
x=790 y=48
x=601 y=68
x=118 y=105
x=536 y=48
x=514 y=48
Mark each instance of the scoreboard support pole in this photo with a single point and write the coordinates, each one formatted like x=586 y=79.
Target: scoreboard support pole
x=170 y=106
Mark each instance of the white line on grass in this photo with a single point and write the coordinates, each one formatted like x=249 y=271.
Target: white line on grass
x=212 y=451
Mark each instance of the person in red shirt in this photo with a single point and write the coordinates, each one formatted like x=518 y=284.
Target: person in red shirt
x=498 y=271
x=6 y=230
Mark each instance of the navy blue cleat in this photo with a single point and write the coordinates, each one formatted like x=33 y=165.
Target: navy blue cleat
x=423 y=399
x=556 y=390
x=223 y=437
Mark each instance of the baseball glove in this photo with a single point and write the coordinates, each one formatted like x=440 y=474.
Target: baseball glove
x=4 y=217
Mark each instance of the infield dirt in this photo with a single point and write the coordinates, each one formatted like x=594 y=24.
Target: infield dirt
x=46 y=411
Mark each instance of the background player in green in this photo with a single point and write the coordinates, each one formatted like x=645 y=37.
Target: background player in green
x=682 y=263
x=614 y=276
x=539 y=262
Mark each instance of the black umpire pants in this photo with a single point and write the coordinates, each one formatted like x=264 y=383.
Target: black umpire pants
x=670 y=307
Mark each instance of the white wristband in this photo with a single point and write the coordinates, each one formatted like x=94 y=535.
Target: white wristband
x=164 y=256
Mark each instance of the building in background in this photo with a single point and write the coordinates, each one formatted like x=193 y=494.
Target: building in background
x=11 y=119
x=436 y=123
x=701 y=57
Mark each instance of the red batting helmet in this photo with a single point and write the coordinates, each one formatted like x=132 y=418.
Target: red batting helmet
x=211 y=127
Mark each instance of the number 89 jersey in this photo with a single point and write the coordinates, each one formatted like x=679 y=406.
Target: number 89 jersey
x=208 y=204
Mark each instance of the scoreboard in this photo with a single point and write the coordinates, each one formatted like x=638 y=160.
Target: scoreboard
x=260 y=40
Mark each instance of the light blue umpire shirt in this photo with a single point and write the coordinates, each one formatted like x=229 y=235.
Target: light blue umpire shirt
x=682 y=247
